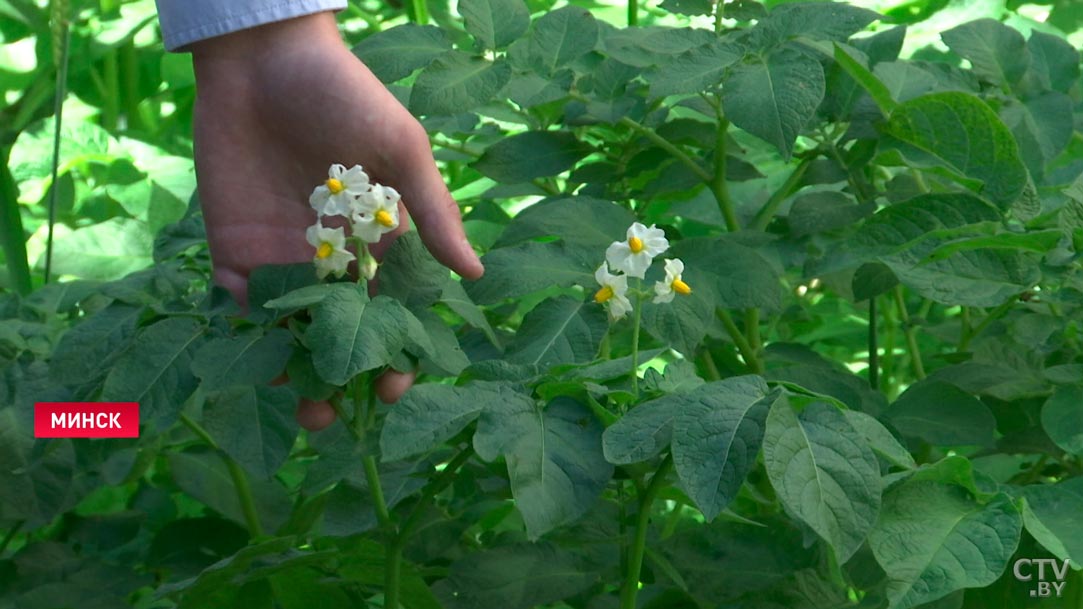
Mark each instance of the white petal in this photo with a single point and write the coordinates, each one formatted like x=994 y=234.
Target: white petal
x=636 y=265
x=601 y=275
x=674 y=268
x=617 y=254
x=619 y=306
x=335 y=171
x=319 y=198
x=664 y=292
x=367 y=230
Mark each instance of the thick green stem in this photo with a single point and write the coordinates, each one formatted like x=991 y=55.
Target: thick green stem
x=668 y=146
x=633 y=12
x=240 y=479
x=129 y=67
x=749 y=355
x=719 y=14
x=770 y=208
x=709 y=366
x=372 y=476
x=752 y=330
x=639 y=543
x=911 y=335
x=718 y=183
x=58 y=121
x=12 y=237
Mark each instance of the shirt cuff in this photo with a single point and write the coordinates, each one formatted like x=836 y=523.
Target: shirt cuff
x=186 y=21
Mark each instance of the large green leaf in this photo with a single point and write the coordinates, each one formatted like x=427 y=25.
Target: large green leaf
x=965 y=134
x=643 y=431
x=36 y=476
x=495 y=23
x=824 y=472
x=514 y=577
x=203 y=476
x=717 y=433
x=835 y=21
x=699 y=69
x=255 y=426
x=85 y=352
x=107 y=250
x=528 y=267
x=156 y=371
x=430 y=414
x=1051 y=516
x=1038 y=126
x=554 y=458
x=1062 y=418
x=774 y=95
x=252 y=357
x=351 y=334
x=932 y=540
x=737 y=276
x=409 y=273
x=456 y=82
x=684 y=322
x=997 y=53
x=394 y=53
x=561 y=330
x=942 y=414
x=560 y=37
x=533 y=154
x=1054 y=62
x=584 y=221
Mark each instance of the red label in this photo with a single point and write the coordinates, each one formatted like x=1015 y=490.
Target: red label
x=86 y=420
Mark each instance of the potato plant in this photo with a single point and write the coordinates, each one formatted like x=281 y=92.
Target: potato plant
x=861 y=387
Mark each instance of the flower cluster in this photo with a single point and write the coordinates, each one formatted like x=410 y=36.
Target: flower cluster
x=631 y=258
x=372 y=210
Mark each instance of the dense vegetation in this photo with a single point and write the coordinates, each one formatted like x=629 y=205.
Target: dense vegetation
x=869 y=395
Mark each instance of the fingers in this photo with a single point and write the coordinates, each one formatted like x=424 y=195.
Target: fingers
x=392 y=384
x=435 y=213
x=315 y=416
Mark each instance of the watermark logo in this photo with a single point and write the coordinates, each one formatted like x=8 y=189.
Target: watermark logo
x=86 y=420
x=1046 y=574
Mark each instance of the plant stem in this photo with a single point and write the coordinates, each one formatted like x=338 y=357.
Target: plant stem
x=639 y=542
x=12 y=237
x=58 y=120
x=718 y=183
x=770 y=208
x=911 y=335
x=874 y=354
x=709 y=365
x=993 y=315
x=633 y=12
x=635 y=344
x=739 y=339
x=669 y=147
x=419 y=12
x=240 y=480
x=752 y=329
x=719 y=13
x=10 y=535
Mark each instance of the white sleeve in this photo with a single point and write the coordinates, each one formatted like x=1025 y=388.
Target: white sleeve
x=186 y=21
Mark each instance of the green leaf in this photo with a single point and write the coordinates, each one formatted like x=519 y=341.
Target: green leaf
x=717 y=433
x=933 y=540
x=817 y=21
x=86 y=352
x=104 y=251
x=295 y=589
x=255 y=426
x=455 y=83
x=1051 y=515
x=773 y=96
x=495 y=23
x=350 y=334
x=533 y=154
x=942 y=414
x=272 y=281
x=156 y=371
x=410 y=274
x=688 y=7
x=1055 y=62
x=446 y=357
x=454 y=296
x=428 y=415
x=652 y=45
x=519 y=576
x=204 y=477
x=394 y=53
x=967 y=136
x=880 y=439
x=306 y=296
x=997 y=53
x=1062 y=418
x=560 y=37
x=827 y=210
x=580 y=221
x=36 y=477
x=1038 y=126
x=683 y=323
x=643 y=431
x=249 y=358
x=824 y=473
x=861 y=74
x=697 y=70
x=561 y=330
x=872 y=279
x=737 y=276
x=528 y=267
x=554 y=459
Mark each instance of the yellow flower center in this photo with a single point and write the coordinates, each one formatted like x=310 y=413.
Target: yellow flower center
x=324 y=250
x=335 y=186
x=681 y=287
x=635 y=244
x=383 y=218
x=603 y=294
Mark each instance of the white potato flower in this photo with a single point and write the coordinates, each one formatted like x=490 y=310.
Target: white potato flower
x=634 y=255
x=331 y=257
x=336 y=195
x=672 y=284
x=376 y=213
x=613 y=292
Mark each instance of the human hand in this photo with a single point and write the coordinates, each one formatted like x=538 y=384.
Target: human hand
x=278 y=104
